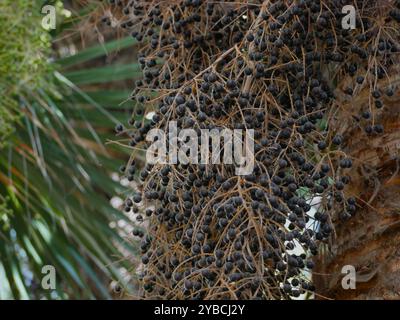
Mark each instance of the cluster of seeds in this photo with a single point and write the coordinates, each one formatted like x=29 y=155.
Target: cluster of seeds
x=271 y=66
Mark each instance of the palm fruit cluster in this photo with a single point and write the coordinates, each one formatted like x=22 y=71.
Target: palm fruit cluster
x=271 y=66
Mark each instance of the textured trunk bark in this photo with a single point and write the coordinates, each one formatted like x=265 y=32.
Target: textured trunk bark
x=370 y=240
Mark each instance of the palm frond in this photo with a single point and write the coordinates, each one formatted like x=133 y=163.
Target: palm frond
x=55 y=186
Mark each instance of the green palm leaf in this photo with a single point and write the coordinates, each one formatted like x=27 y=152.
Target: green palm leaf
x=55 y=184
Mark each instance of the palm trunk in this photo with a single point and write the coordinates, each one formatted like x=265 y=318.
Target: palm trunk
x=370 y=240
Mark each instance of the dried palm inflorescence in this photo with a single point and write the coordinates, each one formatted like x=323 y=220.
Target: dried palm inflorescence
x=271 y=66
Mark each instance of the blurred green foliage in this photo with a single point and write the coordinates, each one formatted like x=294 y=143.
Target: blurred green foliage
x=55 y=170
x=25 y=50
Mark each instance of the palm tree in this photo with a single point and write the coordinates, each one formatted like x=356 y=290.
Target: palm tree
x=55 y=169
x=369 y=240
